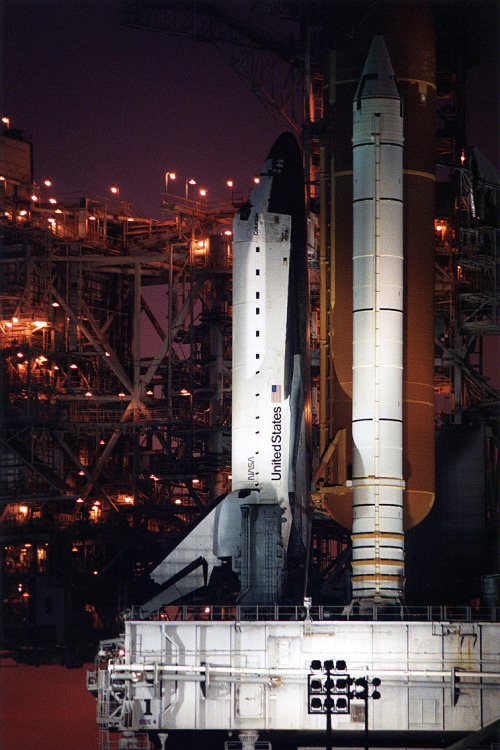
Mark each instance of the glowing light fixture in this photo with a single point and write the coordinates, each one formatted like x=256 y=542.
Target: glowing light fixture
x=34 y=198
x=88 y=394
x=188 y=183
x=81 y=473
x=178 y=501
x=73 y=366
x=53 y=201
x=79 y=499
x=47 y=183
x=169 y=176
x=55 y=304
x=6 y=121
x=38 y=324
x=23 y=509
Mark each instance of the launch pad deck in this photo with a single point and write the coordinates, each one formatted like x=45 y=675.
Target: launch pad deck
x=250 y=675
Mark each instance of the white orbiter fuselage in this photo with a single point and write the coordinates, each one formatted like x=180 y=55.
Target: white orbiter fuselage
x=261 y=529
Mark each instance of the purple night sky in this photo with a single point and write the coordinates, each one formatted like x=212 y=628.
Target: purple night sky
x=108 y=105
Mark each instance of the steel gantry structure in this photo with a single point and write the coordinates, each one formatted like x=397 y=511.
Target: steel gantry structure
x=115 y=345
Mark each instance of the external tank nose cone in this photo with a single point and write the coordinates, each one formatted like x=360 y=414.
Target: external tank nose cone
x=378 y=78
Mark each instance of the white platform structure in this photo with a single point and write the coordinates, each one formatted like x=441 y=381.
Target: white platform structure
x=246 y=675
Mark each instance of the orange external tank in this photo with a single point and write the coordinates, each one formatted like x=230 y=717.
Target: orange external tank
x=408 y=32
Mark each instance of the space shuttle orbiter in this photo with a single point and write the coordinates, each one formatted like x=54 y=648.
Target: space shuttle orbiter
x=260 y=531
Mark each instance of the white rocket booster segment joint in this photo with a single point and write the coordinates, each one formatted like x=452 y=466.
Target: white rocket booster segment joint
x=377 y=530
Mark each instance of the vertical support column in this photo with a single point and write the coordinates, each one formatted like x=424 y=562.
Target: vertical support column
x=137 y=327
x=248 y=739
x=323 y=294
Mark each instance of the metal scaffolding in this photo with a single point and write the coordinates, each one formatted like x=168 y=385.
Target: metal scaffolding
x=467 y=235
x=115 y=336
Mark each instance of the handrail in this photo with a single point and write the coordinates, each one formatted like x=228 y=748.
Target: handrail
x=319 y=613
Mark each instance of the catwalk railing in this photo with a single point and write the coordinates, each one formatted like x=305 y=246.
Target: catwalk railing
x=273 y=613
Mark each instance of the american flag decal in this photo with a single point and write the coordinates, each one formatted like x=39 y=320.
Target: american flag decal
x=275 y=394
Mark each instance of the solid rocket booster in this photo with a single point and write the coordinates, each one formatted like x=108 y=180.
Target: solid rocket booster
x=377 y=411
